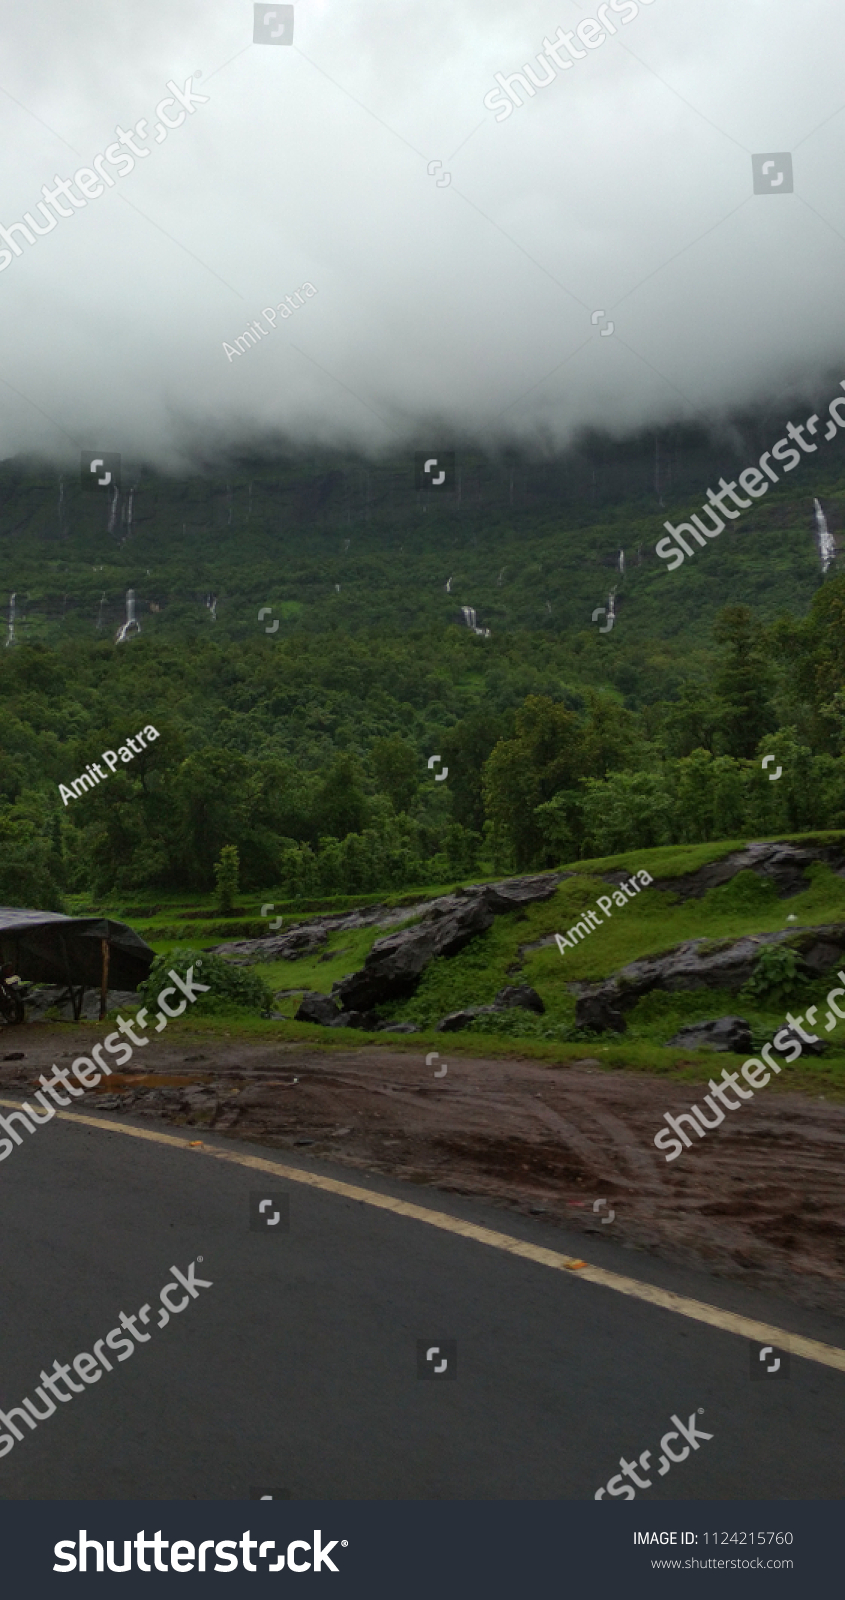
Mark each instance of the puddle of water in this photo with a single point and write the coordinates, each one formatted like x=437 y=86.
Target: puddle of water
x=146 y=1080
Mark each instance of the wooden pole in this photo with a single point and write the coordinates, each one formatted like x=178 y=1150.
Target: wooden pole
x=104 y=983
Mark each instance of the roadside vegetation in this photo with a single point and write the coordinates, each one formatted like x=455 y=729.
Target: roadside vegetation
x=656 y=921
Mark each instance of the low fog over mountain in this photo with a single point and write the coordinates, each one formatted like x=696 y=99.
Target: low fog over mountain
x=468 y=266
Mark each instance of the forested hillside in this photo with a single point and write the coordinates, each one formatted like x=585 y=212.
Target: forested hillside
x=302 y=739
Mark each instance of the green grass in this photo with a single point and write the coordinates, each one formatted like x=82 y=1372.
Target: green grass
x=653 y=923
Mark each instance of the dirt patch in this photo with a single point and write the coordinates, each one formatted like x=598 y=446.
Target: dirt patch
x=761 y=1199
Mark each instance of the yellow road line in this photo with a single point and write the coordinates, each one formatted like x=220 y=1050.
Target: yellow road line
x=697 y=1310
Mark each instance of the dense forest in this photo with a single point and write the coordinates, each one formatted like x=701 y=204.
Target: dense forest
x=302 y=738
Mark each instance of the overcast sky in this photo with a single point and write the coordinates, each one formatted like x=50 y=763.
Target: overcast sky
x=460 y=309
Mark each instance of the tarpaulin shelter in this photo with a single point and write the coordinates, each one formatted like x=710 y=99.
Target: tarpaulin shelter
x=79 y=952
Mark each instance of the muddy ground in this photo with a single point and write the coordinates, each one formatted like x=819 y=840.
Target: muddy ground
x=761 y=1199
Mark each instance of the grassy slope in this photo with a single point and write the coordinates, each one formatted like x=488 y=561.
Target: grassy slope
x=647 y=926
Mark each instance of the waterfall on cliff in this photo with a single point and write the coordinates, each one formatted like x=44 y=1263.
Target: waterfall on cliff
x=824 y=538
x=131 y=625
x=469 y=616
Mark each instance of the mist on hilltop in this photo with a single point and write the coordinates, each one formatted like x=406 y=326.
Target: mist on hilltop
x=479 y=309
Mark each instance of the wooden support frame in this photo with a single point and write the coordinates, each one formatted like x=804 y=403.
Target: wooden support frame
x=104 y=978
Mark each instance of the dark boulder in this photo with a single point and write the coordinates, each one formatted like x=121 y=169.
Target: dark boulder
x=319 y=1008
x=357 y=1019
x=785 y=1034
x=717 y=964
x=597 y=1012
x=457 y=1020
x=726 y=1033
x=785 y=865
x=462 y=1019
x=398 y=1027
x=396 y=963
x=290 y=946
x=520 y=994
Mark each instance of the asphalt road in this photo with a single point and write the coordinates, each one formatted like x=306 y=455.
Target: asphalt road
x=297 y=1368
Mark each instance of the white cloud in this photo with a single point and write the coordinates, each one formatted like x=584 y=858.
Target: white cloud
x=435 y=302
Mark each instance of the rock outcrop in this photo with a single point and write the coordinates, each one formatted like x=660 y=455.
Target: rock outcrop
x=396 y=963
x=513 y=995
x=519 y=994
x=303 y=938
x=318 y=1008
x=784 y=864
x=707 y=964
x=457 y=1020
x=726 y=1033
x=598 y=1011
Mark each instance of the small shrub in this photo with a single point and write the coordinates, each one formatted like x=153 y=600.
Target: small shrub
x=778 y=976
x=229 y=988
x=746 y=894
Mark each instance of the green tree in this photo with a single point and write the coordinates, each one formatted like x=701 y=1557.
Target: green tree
x=210 y=791
x=226 y=872
x=690 y=723
x=30 y=865
x=631 y=810
x=395 y=762
x=465 y=748
x=341 y=805
x=522 y=773
x=742 y=683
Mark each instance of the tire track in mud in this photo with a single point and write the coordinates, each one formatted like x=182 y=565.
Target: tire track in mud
x=761 y=1199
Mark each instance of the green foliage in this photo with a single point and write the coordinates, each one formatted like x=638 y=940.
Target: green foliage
x=747 y=894
x=741 y=683
x=396 y=764
x=471 y=978
x=31 y=867
x=551 y=751
x=306 y=752
x=630 y=808
x=226 y=872
x=230 y=988
x=778 y=976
